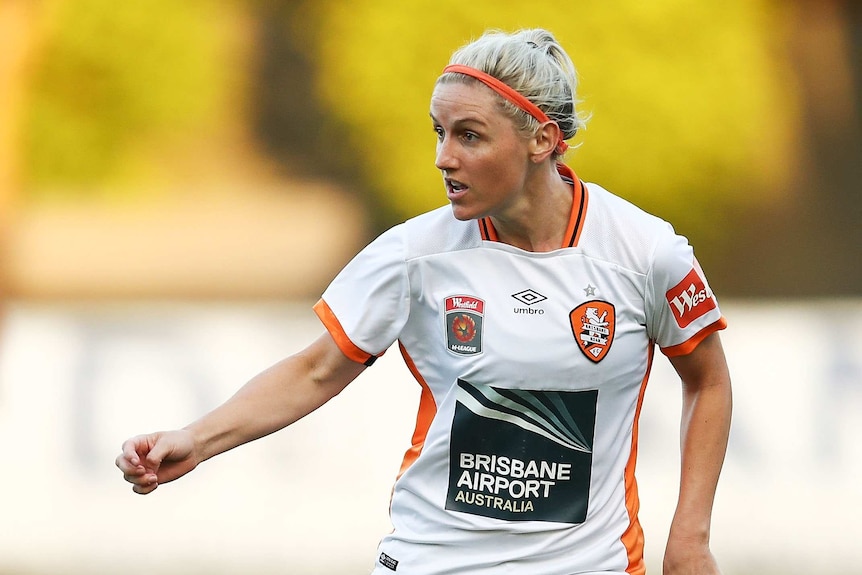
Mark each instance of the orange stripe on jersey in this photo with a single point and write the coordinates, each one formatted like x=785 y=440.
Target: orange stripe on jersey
x=424 y=417
x=486 y=228
x=579 y=207
x=633 y=537
x=688 y=345
x=576 y=217
x=347 y=347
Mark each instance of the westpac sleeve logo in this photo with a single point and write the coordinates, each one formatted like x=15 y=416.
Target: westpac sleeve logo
x=464 y=318
x=690 y=299
x=593 y=325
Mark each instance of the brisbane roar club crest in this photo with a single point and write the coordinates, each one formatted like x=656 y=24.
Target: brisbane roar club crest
x=464 y=318
x=593 y=325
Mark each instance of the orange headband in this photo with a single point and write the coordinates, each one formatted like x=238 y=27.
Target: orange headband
x=510 y=94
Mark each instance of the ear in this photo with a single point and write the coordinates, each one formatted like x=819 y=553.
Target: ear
x=544 y=142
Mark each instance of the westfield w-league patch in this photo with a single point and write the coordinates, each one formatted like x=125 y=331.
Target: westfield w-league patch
x=464 y=316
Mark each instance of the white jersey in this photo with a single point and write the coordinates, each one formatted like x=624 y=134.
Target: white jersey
x=532 y=369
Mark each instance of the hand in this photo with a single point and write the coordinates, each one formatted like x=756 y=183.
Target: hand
x=686 y=557
x=149 y=460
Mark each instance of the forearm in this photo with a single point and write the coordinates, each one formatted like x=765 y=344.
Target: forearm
x=703 y=443
x=274 y=399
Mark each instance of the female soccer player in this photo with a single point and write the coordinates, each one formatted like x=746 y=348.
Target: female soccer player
x=528 y=311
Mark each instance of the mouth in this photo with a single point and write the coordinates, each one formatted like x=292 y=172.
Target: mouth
x=455 y=189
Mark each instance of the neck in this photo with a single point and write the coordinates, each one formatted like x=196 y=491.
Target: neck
x=541 y=216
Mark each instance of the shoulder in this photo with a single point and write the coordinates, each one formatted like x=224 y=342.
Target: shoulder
x=427 y=234
x=618 y=211
x=436 y=232
x=620 y=231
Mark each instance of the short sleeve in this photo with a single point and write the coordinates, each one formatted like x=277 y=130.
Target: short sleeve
x=367 y=304
x=682 y=309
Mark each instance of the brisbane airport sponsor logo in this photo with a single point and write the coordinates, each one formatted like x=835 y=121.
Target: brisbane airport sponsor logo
x=690 y=299
x=464 y=320
x=593 y=325
x=529 y=297
x=521 y=455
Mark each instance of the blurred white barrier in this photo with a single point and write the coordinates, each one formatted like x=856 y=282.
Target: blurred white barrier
x=77 y=380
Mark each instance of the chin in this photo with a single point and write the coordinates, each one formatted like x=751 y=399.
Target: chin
x=463 y=214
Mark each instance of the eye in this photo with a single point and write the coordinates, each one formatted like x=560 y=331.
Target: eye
x=470 y=136
x=439 y=131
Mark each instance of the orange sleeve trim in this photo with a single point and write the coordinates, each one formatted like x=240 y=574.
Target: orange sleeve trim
x=424 y=417
x=633 y=537
x=347 y=347
x=688 y=346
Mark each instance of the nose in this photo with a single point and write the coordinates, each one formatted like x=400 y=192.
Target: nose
x=445 y=158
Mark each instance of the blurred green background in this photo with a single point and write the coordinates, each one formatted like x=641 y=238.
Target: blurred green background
x=737 y=121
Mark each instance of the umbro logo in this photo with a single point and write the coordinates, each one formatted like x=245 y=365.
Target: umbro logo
x=529 y=297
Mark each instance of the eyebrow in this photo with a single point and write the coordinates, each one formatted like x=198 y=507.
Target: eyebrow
x=462 y=121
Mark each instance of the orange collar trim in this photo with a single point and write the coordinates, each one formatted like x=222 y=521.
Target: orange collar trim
x=580 y=199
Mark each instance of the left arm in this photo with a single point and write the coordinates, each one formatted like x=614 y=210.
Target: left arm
x=706 y=411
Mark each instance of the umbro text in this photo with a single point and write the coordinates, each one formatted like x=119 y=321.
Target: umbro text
x=528 y=311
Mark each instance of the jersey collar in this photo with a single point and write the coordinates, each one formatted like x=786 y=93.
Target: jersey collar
x=576 y=217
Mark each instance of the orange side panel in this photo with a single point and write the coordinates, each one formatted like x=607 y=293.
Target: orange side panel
x=326 y=315
x=688 y=346
x=633 y=538
x=427 y=411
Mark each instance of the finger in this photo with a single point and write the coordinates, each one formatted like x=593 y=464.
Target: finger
x=158 y=452
x=144 y=489
x=132 y=448
x=127 y=467
x=141 y=479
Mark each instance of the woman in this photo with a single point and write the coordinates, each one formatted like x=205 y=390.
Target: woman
x=528 y=311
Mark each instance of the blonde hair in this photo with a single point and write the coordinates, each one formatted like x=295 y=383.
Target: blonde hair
x=532 y=63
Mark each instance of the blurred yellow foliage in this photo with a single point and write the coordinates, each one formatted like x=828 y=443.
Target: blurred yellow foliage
x=115 y=80
x=689 y=111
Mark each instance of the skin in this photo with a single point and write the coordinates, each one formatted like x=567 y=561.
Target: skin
x=270 y=401
x=489 y=170
x=706 y=410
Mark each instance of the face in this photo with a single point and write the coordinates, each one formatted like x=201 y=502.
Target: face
x=483 y=158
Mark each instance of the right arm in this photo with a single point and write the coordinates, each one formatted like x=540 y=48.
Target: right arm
x=272 y=400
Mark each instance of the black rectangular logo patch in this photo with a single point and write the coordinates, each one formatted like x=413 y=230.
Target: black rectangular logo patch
x=388 y=562
x=521 y=455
